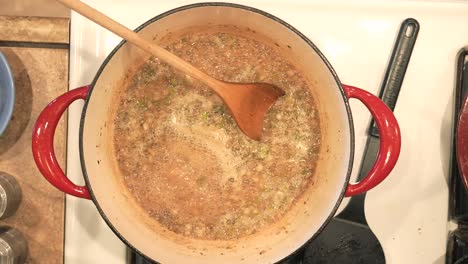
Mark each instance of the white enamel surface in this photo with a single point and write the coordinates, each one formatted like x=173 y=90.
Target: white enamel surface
x=408 y=211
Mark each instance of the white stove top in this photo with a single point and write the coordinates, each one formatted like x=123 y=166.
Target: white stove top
x=408 y=212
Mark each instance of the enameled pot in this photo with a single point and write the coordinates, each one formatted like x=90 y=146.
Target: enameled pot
x=303 y=221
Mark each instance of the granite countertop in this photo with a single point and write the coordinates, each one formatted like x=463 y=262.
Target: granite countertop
x=37 y=51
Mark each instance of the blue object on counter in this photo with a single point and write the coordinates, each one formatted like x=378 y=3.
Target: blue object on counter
x=7 y=94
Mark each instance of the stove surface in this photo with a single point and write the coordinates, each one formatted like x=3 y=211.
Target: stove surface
x=408 y=212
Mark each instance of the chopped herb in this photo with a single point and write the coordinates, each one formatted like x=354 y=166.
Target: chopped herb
x=218 y=41
x=298 y=136
x=219 y=109
x=245 y=154
x=148 y=74
x=205 y=116
x=142 y=104
x=275 y=75
x=174 y=82
x=263 y=152
x=221 y=124
x=305 y=172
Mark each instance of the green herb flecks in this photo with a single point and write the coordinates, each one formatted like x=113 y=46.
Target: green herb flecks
x=205 y=116
x=142 y=103
x=263 y=152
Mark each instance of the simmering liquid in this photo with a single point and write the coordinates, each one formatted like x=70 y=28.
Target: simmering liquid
x=185 y=161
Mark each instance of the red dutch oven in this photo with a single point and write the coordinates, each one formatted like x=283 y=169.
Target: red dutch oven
x=303 y=221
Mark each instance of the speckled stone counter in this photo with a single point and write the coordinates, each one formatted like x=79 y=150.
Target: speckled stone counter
x=37 y=51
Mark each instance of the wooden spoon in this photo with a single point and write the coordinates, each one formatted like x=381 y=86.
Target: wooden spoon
x=247 y=102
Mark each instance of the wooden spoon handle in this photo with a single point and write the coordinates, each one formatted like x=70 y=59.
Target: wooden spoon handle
x=132 y=37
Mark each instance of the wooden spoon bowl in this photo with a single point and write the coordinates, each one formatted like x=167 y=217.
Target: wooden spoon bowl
x=248 y=104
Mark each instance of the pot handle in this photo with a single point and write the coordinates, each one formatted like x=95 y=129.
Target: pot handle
x=43 y=143
x=390 y=140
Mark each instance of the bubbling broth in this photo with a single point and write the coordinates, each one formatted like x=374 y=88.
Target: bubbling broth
x=182 y=157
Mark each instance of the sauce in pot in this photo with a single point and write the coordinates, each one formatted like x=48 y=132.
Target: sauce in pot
x=183 y=158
